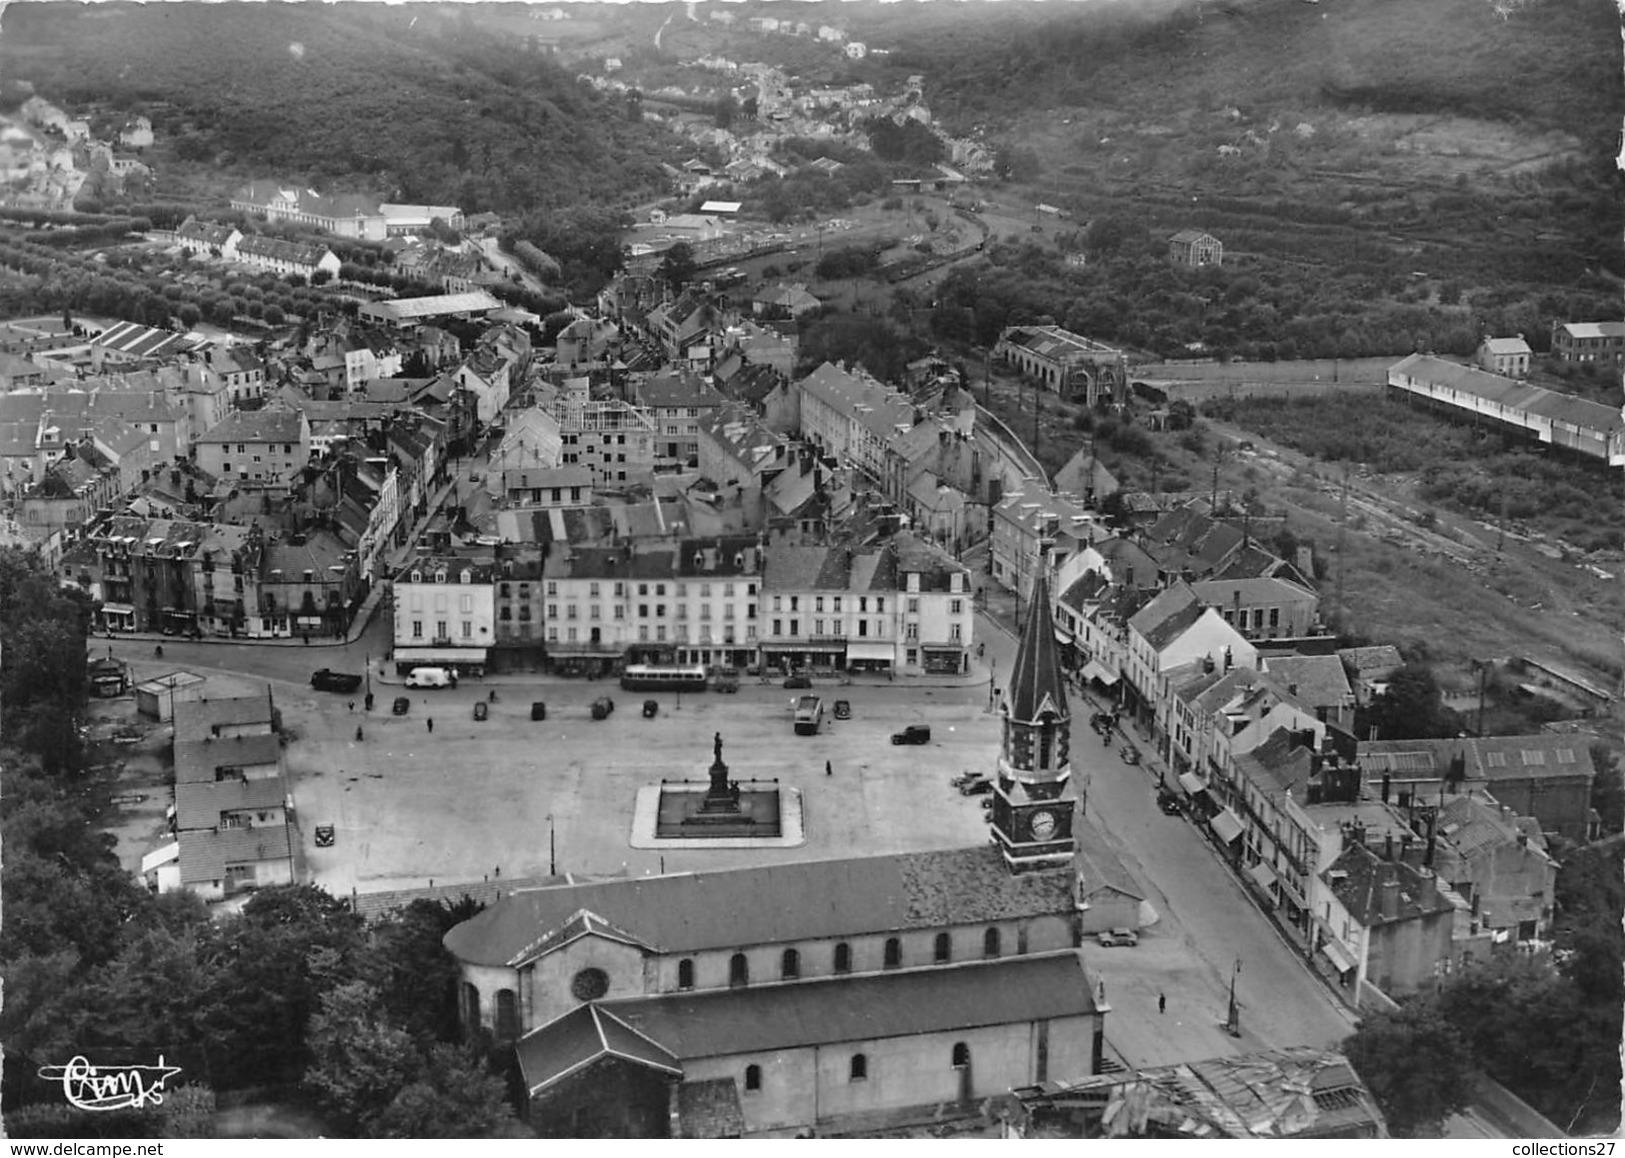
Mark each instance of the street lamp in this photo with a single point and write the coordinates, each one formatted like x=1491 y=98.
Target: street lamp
x=1232 y=1021
x=552 y=850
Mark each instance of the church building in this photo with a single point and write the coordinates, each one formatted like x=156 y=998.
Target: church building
x=814 y=997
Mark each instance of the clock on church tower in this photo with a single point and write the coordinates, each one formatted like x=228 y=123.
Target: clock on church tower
x=1034 y=799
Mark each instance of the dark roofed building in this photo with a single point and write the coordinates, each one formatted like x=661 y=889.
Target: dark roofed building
x=1391 y=919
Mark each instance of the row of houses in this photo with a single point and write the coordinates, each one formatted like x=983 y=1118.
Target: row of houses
x=344 y=215
x=899 y=606
x=232 y=826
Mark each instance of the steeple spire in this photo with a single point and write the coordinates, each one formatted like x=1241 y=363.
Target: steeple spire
x=1033 y=797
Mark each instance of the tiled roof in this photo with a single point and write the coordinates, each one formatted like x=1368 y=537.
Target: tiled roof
x=255 y=426
x=276 y=249
x=1279 y=764
x=1507 y=346
x=1319 y=680
x=1542 y=755
x=709 y=1108
x=205 y=855
x=197 y=760
x=196 y=719
x=909 y=1003
x=1036 y=684
x=1382 y=892
x=803 y=900
x=550 y=1053
x=1380 y=659
x=199 y=803
x=1167 y=617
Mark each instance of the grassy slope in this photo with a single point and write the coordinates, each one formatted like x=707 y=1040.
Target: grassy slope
x=1552 y=64
x=334 y=92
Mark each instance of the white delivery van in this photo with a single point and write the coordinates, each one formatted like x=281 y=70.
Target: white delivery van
x=430 y=677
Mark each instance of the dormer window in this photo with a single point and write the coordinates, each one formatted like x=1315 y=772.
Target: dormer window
x=466 y=577
x=417 y=576
x=439 y=576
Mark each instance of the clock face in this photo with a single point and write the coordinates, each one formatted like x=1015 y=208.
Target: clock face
x=1043 y=825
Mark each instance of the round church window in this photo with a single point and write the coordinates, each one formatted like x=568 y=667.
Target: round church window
x=590 y=984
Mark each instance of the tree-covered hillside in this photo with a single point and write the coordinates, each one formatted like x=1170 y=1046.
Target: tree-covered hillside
x=390 y=98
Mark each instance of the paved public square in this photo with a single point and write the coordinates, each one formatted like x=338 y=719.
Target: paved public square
x=471 y=798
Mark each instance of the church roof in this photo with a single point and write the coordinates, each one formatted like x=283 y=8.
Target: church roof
x=552 y=1052
x=1036 y=684
x=767 y=904
x=864 y=1007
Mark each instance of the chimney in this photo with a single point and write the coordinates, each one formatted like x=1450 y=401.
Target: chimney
x=1388 y=846
x=1390 y=898
x=1387 y=780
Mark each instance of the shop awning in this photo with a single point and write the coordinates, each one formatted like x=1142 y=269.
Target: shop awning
x=1226 y=825
x=1063 y=638
x=1337 y=955
x=1263 y=876
x=117 y=609
x=1094 y=671
x=870 y=651
x=432 y=655
x=1192 y=783
x=831 y=648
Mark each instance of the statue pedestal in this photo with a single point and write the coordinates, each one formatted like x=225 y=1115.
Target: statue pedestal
x=722 y=797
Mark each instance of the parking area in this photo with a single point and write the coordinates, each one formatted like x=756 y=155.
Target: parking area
x=469 y=798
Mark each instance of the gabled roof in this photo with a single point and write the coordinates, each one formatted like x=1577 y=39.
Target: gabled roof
x=197 y=760
x=1037 y=686
x=864 y=1007
x=255 y=426
x=1317 y=680
x=1511 y=393
x=1168 y=616
x=205 y=854
x=1507 y=346
x=583 y=923
x=550 y=1053
x=797 y=901
x=1279 y=764
x=199 y=803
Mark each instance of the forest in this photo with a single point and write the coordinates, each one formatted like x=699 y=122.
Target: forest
x=294 y=996
x=410 y=105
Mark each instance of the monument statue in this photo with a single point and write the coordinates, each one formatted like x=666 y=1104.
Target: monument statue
x=716 y=745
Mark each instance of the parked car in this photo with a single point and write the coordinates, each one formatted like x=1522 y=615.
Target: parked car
x=430 y=677
x=1129 y=753
x=843 y=709
x=1127 y=938
x=913 y=734
x=981 y=786
x=726 y=680
x=401 y=706
x=965 y=778
x=538 y=710
x=798 y=681
x=1169 y=803
x=334 y=681
x=482 y=710
x=602 y=707
x=651 y=709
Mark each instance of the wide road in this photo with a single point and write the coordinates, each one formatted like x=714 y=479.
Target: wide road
x=1281 y=1002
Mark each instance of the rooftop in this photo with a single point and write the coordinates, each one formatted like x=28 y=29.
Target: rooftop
x=687 y=912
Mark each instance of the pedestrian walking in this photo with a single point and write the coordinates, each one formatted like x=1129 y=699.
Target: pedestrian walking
x=352 y=705
x=1162 y=1003
x=430 y=722
x=829 y=769
x=358 y=734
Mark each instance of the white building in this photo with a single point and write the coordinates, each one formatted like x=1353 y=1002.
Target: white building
x=445 y=613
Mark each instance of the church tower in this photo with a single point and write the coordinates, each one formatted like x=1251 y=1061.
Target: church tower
x=1034 y=801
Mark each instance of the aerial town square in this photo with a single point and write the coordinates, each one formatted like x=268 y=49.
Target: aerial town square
x=722 y=570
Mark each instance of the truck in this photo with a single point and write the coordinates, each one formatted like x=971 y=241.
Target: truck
x=334 y=681
x=809 y=714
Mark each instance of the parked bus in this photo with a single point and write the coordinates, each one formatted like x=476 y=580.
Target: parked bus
x=648 y=677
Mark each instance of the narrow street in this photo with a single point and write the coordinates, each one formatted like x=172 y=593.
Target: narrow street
x=1202 y=905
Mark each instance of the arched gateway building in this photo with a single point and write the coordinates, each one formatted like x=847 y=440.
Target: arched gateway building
x=818 y=995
